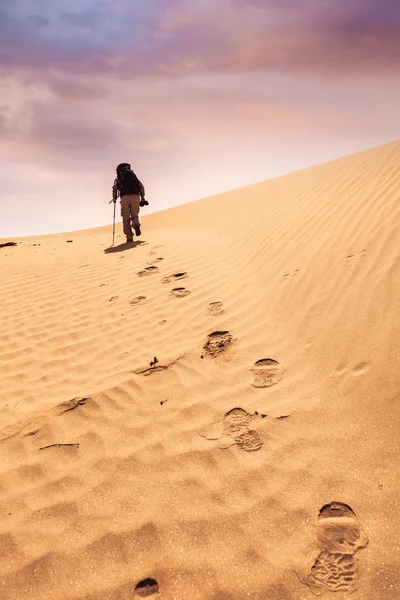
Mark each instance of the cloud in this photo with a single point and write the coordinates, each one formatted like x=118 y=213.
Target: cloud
x=161 y=123
x=76 y=88
x=87 y=19
x=38 y=21
x=177 y=38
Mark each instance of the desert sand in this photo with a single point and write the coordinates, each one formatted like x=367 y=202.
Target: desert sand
x=141 y=456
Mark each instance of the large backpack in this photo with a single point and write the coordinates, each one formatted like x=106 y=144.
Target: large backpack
x=127 y=180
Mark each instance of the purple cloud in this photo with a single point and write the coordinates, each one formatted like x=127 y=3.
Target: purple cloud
x=177 y=38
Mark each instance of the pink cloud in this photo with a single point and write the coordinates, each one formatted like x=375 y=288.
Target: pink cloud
x=176 y=38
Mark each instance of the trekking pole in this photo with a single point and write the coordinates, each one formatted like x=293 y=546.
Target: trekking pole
x=113 y=222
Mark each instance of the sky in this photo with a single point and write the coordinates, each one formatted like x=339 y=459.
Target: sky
x=200 y=96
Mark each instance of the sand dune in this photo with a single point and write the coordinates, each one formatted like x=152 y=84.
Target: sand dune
x=214 y=413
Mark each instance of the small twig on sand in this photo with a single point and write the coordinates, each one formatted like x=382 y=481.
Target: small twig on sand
x=72 y=404
x=59 y=446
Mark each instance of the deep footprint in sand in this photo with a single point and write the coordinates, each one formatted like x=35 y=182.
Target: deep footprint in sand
x=267 y=372
x=234 y=431
x=215 y=308
x=137 y=300
x=340 y=536
x=236 y=428
x=175 y=277
x=217 y=342
x=148 y=271
x=146 y=587
x=180 y=292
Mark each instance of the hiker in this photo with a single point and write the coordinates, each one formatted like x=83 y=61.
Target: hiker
x=131 y=191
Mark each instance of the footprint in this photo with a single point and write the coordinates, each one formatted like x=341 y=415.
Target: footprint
x=267 y=372
x=146 y=587
x=137 y=300
x=180 y=292
x=174 y=277
x=340 y=536
x=148 y=271
x=236 y=426
x=215 y=308
x=155 y=261
x=235 y=431
x=217 y=342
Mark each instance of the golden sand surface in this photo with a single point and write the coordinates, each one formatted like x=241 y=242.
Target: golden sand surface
x=212 y=412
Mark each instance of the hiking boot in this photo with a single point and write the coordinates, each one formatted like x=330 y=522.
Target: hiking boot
x=129 y=240
x=137 y=230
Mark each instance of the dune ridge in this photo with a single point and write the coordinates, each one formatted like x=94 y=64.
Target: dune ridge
x=142 y=457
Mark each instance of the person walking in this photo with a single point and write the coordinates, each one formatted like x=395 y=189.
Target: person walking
x=132 y=193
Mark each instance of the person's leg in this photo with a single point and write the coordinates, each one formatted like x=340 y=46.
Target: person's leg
x=135 y=208
x=126 y=217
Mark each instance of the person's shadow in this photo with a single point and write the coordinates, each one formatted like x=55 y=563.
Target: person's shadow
x=124 y=246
